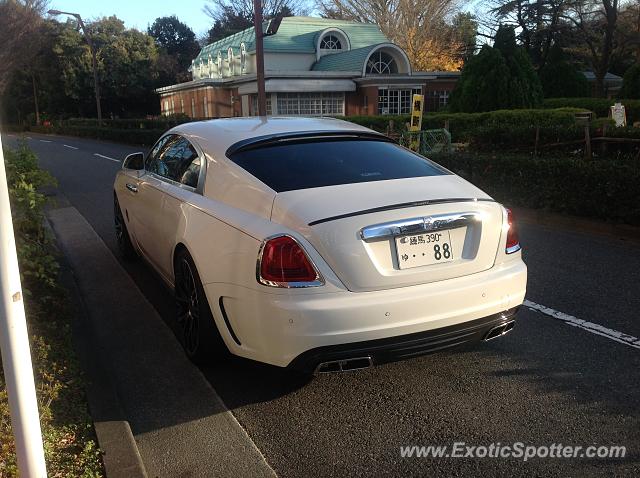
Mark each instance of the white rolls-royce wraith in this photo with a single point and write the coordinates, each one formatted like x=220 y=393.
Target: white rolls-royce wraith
x=317 y=244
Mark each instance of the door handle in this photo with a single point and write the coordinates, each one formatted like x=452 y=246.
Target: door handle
x=132 y=187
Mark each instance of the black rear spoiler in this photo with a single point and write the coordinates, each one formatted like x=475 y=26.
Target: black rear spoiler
x=279 y=138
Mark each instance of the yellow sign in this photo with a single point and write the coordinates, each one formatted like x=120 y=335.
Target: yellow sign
x=416 y=113
x=417 y=108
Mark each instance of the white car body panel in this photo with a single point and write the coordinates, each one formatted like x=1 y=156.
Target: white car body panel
x=365 y=266
x=365 y=297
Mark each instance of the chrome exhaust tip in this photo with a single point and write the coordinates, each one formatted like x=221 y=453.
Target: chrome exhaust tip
x=346 y=365
x=499 y=330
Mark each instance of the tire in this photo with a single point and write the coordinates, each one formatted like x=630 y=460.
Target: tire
x=127 y=251
x=200 y=337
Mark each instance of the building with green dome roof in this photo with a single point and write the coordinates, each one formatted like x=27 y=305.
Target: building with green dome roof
x=313 y=67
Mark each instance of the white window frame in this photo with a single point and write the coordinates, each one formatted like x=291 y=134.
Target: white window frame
x=311 y=104
x=398 y=100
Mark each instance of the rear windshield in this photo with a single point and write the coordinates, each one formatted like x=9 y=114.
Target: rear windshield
x=313 y=164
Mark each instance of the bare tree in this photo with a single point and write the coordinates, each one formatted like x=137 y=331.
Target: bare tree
x=596 y=24
x=217 y=10
x=19 y=22
x=420 y=27
x=537 y=22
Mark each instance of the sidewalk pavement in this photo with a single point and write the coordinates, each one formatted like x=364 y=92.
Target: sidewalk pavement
x=178 y=422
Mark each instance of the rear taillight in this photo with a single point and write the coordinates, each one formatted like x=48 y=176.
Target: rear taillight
x=283 y=263
x=513 y=242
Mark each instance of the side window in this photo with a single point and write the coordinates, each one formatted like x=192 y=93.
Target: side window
x=178 y=161
x=155 y=152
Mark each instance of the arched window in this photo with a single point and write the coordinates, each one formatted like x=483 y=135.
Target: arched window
x=381 y=63
x=330 y=42
x=243 y=57
x=230 y=60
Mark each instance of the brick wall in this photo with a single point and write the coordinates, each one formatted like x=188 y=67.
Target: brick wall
x=206 y=102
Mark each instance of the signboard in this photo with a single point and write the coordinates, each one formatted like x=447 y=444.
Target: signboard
x=619 y=115
x=417 y=107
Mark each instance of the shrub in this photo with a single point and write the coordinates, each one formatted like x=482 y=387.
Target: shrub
x=600 y=106
x=607 y=190
x=501 y=76
x=162 y=123
x=560 y=79
x=70 y=449
x=465 y=126
x=631 y=83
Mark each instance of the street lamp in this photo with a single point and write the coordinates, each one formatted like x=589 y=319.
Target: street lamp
x=94 y=63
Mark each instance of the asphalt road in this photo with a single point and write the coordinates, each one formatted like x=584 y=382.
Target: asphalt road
x=546 y=382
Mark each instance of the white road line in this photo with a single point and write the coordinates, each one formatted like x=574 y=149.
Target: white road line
x=70 y=147
x=106 y=157
x=45 y=141
x=597 y=329
x=29 y=137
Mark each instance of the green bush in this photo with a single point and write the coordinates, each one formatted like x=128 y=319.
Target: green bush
x=143 y=137
x=500 y=76
x=70 y=449
x=163 y=123
x=560 y=78
x=607 y=190
x=631 y=83
x=600 y=106
x=466 y=126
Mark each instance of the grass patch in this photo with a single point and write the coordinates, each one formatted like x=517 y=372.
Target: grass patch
x=67 y=429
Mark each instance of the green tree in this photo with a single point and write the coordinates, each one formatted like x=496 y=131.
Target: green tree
x=60 y=76
x=465 y=28
x=177 y=41
x=228 y=22
x=560 y=79
x=233 y=16
x=500 y=76
x=631 y=83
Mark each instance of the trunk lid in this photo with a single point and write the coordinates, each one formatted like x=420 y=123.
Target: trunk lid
x=358 y=229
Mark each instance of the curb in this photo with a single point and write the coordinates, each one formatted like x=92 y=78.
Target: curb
x=120 y=455
x=624 y=232
x=180 y=425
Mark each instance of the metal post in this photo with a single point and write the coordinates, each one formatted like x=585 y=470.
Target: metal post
x=257 y=22
x=14 y=342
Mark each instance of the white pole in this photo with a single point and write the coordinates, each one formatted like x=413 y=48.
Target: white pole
x=14 y=342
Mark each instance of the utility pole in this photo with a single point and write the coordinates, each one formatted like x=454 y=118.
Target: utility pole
x=257 y=23
x=94 y=61
x=14 y=343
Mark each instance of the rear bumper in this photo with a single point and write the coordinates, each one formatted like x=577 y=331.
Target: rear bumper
x=392 y=349
x=279 y=328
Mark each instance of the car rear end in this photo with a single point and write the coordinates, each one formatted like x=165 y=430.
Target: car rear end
x=384 y=255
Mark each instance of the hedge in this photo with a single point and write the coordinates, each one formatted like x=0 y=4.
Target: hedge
x=600 y=106
x=465 y=126
x=143 y=137
x=163 y=123
x=607 y=190
x=503 y=129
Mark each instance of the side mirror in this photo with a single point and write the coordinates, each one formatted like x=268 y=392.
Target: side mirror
x=134 y=161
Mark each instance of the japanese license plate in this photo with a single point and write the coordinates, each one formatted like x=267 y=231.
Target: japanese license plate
x=424 y=249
